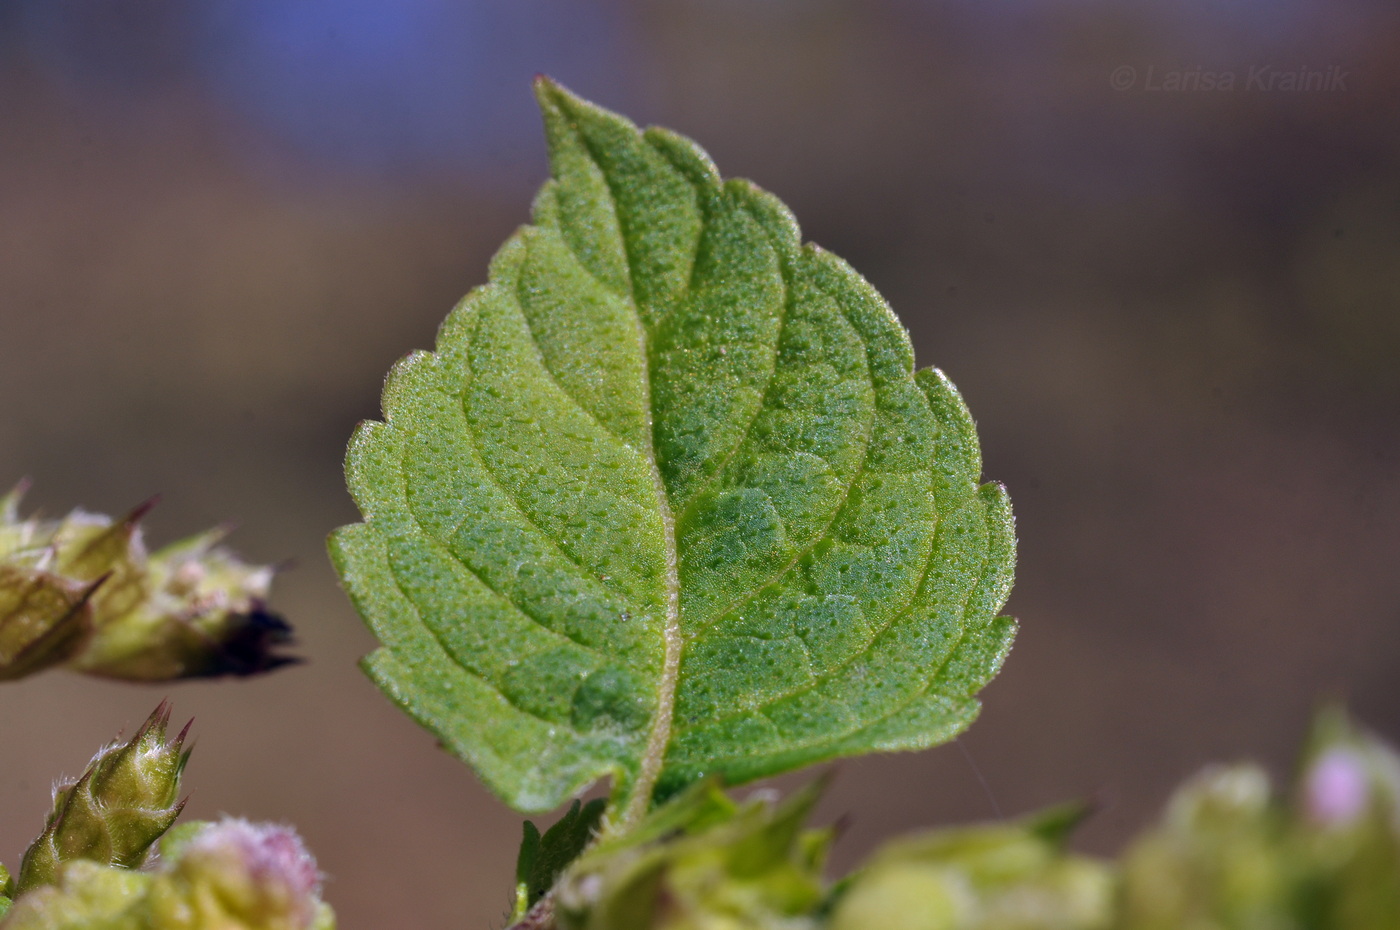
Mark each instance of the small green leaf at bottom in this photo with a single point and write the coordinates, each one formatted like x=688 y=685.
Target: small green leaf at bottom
x=543 y=858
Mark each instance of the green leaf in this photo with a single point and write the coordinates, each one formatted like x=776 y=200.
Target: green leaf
x=543 y=858
x=669 y=499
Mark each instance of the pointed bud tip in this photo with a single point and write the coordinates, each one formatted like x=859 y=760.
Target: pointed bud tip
x=92 y=588
x=9 y=503
x=139 y=512
x=160 y=717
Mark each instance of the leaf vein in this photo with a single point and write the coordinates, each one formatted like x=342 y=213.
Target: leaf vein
x=506 y=598
x=821 y=678
x=928 y=687
x=447 y=651
x=552 y=375
x=758 y=412
x=519 y=510
x=859 y=473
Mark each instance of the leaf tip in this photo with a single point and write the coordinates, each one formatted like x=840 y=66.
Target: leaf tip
x=550 y=93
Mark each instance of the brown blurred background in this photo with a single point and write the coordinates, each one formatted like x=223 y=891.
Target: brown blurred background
x=1175 y=312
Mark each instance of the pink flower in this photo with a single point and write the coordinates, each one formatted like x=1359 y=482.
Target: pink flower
x=262 y=869
x=1337 y=788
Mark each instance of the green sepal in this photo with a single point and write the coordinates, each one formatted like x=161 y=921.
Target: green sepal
x=121 y=804
x=1056 y=824
x=702 y=805
x=543 y=858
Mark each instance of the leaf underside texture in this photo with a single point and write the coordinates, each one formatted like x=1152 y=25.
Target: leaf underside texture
x=669 y=500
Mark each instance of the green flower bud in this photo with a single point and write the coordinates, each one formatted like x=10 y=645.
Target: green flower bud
x=1218 y=859
x=1014 y=876
x=87 y=896
x=44 y=616
x=906 y=896
x=120 y=805
x=701 y=862
x=84 y=593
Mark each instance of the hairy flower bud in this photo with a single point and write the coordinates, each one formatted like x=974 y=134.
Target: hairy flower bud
x=235 y=874
x=84 y=593
x=120 y=805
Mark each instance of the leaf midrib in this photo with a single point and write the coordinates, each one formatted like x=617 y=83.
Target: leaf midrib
x=660 y=737
x=638 y=798
x=653 y=759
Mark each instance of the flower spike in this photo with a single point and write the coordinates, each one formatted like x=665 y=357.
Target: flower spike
x=84 y=593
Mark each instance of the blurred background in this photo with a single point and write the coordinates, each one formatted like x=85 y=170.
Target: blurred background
x=1165 y=274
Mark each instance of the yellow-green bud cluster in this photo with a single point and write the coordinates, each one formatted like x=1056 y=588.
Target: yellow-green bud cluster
x=123 y=802
x=701 y=863
x=6 y=889
x=231 y=875
x=1230 y=854
x=997 y=877
x=84 y=593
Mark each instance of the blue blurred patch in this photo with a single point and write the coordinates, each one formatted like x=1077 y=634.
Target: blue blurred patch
x=388 y=86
